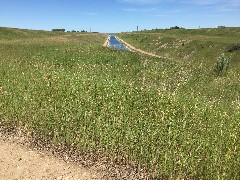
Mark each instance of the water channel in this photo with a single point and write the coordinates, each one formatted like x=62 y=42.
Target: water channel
x=114 y=43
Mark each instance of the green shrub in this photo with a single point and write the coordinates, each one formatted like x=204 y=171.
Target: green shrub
x=222 y=64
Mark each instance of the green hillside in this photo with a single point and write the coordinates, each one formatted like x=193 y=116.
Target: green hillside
x=201 y=44
x=16 y=34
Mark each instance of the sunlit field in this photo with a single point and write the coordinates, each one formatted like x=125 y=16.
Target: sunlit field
x=174 y=118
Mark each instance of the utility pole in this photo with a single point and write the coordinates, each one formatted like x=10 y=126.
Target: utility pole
x=90 y=30
x=137 y=28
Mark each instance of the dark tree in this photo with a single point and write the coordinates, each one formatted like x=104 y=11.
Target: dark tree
x=59 y=30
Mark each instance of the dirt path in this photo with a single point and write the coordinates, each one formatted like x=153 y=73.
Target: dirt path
x=25 y=156
x=19 y=162
x=132 y=48
x=106 y=42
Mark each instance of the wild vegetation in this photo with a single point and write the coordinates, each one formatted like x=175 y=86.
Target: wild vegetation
x=173 y=117
x=200 y=44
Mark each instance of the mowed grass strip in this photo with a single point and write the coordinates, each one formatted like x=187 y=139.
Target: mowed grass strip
x=174 y=118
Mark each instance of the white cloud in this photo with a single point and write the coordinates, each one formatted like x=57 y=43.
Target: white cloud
x=235 y=2
x=212 y=2
x=224 y=9
x=90 y=14
x=215 y=5
x=141 y=1
x=203 y=2
x=163 y=15
x=139 y=10
x=199 y=2
x=206 y=2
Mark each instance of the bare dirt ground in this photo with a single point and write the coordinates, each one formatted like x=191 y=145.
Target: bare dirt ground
x=20 y=162
x=23 y=156
x=106 y=42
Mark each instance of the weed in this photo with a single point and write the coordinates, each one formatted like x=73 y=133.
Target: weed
x=222 y=64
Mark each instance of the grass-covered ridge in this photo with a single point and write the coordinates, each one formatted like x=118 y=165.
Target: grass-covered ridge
x=186 y=43
x=174 y=117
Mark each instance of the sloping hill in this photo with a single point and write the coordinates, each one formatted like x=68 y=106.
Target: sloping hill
x=205 y=44
x=15 y=33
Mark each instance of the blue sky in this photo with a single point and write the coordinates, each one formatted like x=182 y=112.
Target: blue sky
x=118 y=15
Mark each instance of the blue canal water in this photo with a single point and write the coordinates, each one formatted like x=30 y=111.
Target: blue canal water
x=114 y=43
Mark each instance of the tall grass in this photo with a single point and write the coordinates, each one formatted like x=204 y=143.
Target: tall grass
x=171 y=117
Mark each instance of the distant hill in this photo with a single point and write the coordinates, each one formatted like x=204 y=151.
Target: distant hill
x=15 y=33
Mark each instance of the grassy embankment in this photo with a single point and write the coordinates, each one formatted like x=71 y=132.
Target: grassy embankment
x=173 y=117
x=200 y=44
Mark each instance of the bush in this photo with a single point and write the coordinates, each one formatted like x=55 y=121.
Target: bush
x=60 y=30
x=222 y=64
x=234 y=48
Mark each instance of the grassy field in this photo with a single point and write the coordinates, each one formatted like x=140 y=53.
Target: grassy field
x=174 y=118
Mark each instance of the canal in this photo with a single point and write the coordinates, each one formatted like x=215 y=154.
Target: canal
x=114 y=43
